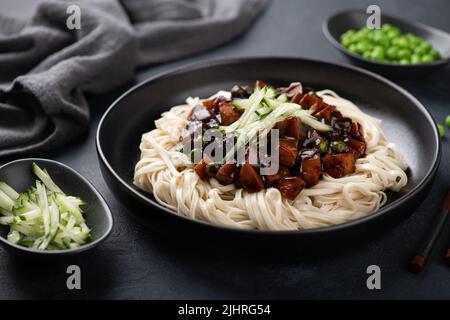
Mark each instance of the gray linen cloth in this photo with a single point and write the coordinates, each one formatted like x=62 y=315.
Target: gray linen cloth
x=46 y=68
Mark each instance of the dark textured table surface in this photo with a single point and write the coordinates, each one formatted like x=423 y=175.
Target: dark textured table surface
x=136 y=263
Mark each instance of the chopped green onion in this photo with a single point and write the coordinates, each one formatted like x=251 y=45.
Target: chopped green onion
x=323 y=145
x=212 y=168
x=339 y=146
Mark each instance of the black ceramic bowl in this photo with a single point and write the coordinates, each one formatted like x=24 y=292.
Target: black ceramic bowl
x=405 y=121
x=18 y=175
x=336 y=25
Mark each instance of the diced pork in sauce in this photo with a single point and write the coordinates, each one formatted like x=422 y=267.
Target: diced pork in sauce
x=305 y=153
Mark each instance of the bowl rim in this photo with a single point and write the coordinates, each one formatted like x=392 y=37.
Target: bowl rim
x=218 y=62
x=337 y=44
x=93 y=189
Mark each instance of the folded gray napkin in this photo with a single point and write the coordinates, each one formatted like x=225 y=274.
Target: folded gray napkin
x=46 y=68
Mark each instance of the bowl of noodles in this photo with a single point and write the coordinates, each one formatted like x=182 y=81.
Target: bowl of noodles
x=276 y=147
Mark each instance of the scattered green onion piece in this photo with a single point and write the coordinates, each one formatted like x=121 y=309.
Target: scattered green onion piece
x=323 y=146
x=212 y=168
x=339 y=146
x=441 y=130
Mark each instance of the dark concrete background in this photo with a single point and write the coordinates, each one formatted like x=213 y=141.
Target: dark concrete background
x=135 y=263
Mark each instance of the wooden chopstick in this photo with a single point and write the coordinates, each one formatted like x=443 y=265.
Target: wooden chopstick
x=427 y=243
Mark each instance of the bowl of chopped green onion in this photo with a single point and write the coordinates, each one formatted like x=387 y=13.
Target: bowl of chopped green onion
x=398 y=48
x=47 y=208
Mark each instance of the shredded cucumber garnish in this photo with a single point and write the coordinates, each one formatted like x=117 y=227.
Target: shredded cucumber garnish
x=43 y=217
x=13 y=236
x=6 y=202
x=45 y=178
x=10 y=192
x=271 y=92
x=249 y=114
x=240 y=103
x=262 y=111
x=283 y=97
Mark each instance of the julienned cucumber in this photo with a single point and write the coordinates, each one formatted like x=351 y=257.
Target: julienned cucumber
x=45 y=178
x=261 y=103
x=239 y=103
x=43 y=217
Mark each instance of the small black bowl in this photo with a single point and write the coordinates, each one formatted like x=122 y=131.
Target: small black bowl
x=18 y=175
x=337 y=24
